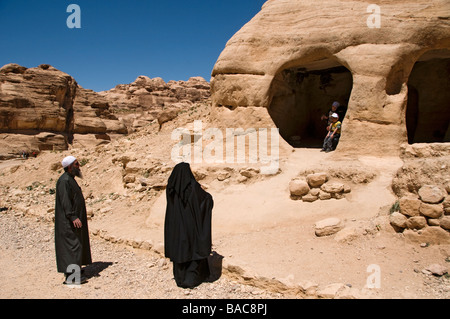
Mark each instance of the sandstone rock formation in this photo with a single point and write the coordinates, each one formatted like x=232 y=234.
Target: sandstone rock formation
x=93 y=121
x=32 y=101
x=45 y=109
x=287 y=65
x=146 y=99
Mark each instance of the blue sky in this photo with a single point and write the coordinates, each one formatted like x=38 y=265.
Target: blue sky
x=121 y=39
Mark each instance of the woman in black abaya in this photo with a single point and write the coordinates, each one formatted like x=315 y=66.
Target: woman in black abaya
x=187 y=227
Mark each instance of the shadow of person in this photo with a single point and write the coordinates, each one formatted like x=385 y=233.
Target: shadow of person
x=215 y=266
x=94 y=269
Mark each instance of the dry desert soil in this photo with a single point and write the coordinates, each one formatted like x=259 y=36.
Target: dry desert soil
x=264 y=242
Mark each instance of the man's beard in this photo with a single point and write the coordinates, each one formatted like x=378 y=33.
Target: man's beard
x=77 y=172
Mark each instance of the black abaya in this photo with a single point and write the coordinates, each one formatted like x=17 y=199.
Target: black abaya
x=187 y=228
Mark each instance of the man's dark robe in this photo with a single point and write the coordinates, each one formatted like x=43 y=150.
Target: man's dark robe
x=187 y=227
x=71 y=244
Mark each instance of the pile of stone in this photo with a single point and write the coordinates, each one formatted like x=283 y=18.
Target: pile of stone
x=142 y=175
x=430 y=208
x=146 y=99
x=317 y=186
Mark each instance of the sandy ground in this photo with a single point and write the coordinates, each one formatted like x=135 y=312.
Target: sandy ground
x=27 y=270
x=266 y=240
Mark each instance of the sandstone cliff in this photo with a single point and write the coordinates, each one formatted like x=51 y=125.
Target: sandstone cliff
x=287 y=65
x=43 y=108
x=34 y=101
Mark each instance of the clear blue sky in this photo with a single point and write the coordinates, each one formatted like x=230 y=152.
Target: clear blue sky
x=121 y=39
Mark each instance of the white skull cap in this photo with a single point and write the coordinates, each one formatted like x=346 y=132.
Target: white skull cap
x=67 y=161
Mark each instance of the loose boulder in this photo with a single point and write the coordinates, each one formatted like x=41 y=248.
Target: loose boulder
x=445 y=222
x=409 y=206
x=416 y=222
x=436 y=269
x=333 y=187
x=327 y=227
x=431 y=210
x=298 y=188
x=398 y=220
x=431 y=194
x=316 y=179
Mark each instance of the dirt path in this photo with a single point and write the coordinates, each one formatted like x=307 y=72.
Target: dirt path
x=28 y=270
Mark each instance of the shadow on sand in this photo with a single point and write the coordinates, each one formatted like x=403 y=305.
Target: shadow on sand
x=94 y=269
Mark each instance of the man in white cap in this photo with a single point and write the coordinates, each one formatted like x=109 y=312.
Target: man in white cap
x=334 y=133
x=72 y=245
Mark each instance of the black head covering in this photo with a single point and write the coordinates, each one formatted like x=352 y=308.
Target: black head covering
x=187 y=227
x=180 y=180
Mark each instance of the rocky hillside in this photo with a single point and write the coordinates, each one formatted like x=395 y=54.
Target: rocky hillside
x=43 y=108
x=147 y=99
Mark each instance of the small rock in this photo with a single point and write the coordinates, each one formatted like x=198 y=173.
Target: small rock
x=416 y=222
x=298 y=187
x=324 y=195
x=397 y=220
x=330 y=291
x=223 y=175
x=409 y=206
x=444 y=222
x=347 y=189
x=317 y=179
x=315 y=192
x=333 y=187
x=162 y=262
x=446 y=202
x=257 y=292
x=308 y=287
x=242 y=179
x=431 y=194
x=433 y=222
x=249 y=172
x=129 y=179
x=431 y=210
x=328 y=226
x=136 y=243
x=309 y=198
x=338 y=195
x=199 y=173
x=147 y=244
x=436 y=269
